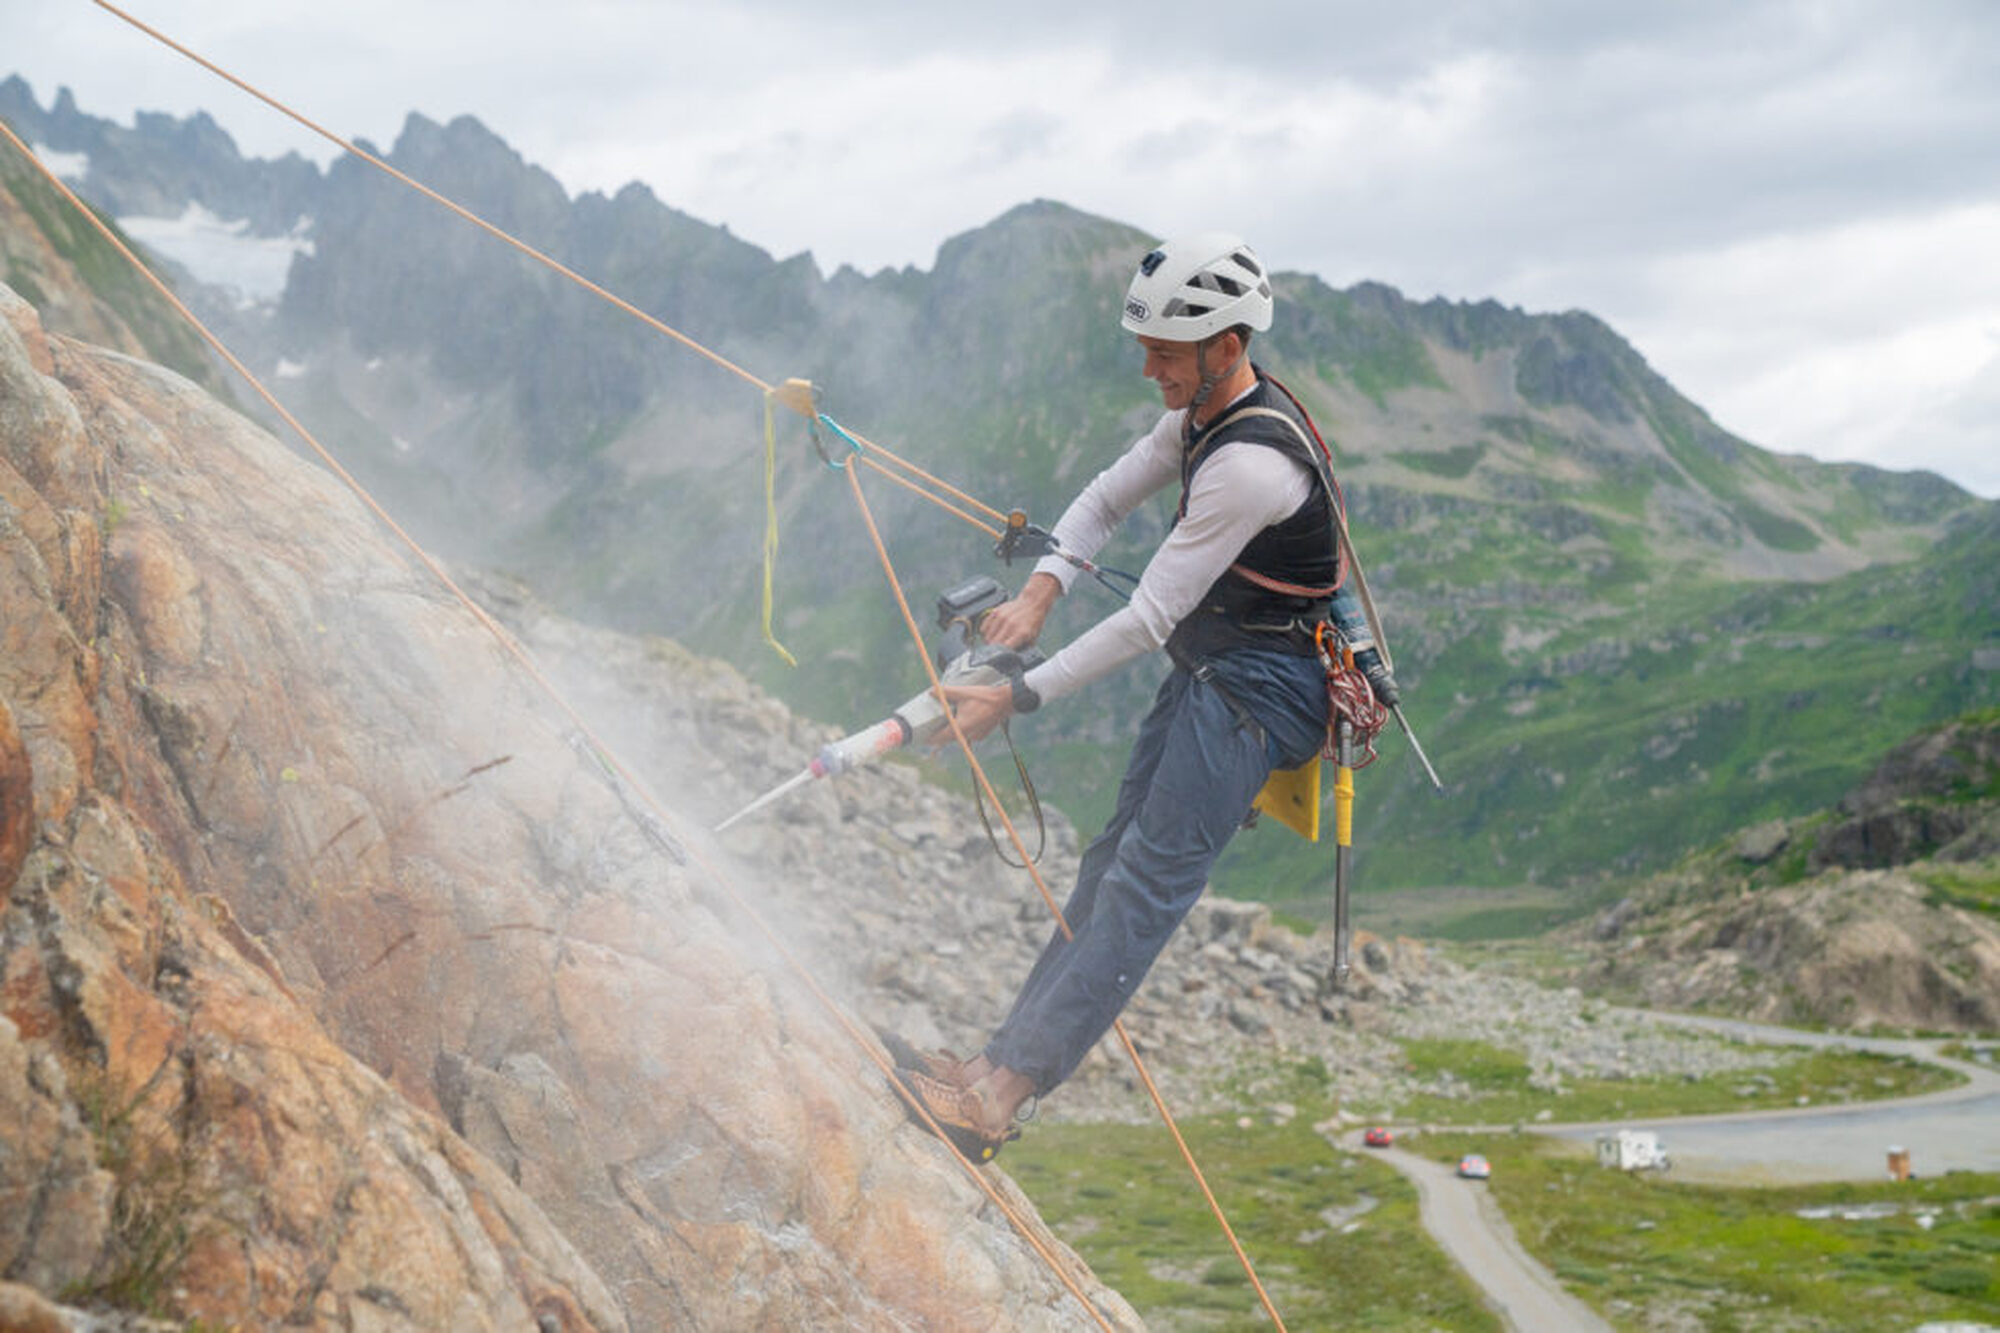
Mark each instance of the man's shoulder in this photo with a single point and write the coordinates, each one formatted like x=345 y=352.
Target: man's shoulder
x=1237 y=457
x=1163 y=440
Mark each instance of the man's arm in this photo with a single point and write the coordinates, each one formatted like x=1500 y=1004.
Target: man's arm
x=1241 y=490
x=1150 y=463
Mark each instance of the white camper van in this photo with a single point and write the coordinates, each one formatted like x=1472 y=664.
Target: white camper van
x=1632 y=1150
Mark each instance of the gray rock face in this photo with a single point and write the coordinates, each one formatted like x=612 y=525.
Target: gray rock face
x=1873 y=935
x=324 y=897
x=1930 y=797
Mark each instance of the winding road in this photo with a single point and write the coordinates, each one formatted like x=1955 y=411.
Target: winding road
x=1463 y=1218
x=1954 y=1130
x=1957 y=1129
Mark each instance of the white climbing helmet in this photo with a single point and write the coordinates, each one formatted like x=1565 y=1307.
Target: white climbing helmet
x=1197 y=286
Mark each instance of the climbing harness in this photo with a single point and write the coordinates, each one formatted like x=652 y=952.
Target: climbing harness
x=1349 y=697
x=1355 y=712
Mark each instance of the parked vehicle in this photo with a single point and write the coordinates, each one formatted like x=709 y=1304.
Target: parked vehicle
x=1632 y=1150
x=1474 y=1167
x=1378 y=1137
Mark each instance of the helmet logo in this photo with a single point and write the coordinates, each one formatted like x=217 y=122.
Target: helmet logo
x=1137 y=310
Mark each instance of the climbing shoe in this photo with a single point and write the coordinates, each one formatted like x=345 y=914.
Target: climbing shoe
x=953 y=1110
x=940 y=1065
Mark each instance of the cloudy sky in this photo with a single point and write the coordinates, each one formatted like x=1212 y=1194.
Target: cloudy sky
x=1791 y=207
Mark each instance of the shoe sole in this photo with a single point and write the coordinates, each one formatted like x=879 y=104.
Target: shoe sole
x=969 y=1142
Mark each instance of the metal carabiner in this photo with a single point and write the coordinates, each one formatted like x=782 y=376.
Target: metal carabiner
x=853 y=445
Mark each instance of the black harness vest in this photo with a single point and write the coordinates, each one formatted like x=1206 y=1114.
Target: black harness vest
x=1285 y=578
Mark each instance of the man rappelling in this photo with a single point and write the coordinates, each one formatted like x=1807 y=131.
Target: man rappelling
x=1251 y=567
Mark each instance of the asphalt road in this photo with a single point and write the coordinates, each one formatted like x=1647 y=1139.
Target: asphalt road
x=1462 y=1216
x=1955 y=1129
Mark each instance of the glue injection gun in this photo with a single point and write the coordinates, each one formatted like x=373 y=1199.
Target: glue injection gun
x=962 y=659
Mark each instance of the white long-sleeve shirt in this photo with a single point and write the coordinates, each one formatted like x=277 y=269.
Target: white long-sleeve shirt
x=1239 y=491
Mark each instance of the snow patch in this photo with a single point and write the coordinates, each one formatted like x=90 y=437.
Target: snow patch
x=223 y=253
x=71 y=167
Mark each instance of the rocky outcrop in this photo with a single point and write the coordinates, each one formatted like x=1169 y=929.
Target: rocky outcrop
x=1873 y=916
x=1855 y=950
x=38 y=257
x=1931 y=797
x=339 y=983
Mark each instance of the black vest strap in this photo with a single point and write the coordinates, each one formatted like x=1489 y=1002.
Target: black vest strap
x=1282 y=582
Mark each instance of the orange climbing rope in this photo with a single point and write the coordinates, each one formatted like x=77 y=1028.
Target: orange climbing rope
x=874 y=456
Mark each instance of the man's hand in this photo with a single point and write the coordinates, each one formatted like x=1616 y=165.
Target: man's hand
x=1018 y=623
x=980 y=709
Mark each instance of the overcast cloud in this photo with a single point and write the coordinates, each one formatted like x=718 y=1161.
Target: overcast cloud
x=1791 y=207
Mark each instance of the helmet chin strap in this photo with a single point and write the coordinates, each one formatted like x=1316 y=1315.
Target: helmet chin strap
x=1211 y=378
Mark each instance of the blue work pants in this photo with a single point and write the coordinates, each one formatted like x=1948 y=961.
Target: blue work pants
x=1197 y=764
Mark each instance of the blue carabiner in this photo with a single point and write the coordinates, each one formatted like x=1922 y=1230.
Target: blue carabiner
x=853 y=444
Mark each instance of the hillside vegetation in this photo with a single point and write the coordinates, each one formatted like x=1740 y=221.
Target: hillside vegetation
x=59 y=262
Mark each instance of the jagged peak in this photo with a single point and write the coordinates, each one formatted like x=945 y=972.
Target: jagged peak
x=421 y=137
x=1035 y=227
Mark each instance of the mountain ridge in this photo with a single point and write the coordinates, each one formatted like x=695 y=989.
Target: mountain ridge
x=1521 y=486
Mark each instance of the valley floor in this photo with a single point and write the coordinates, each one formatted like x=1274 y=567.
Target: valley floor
x=1958 y=1130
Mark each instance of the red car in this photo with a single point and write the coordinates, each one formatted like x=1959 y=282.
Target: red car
x=1378 y=1137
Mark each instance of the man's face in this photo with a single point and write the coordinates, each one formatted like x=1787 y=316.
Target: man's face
x=1176 y=367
